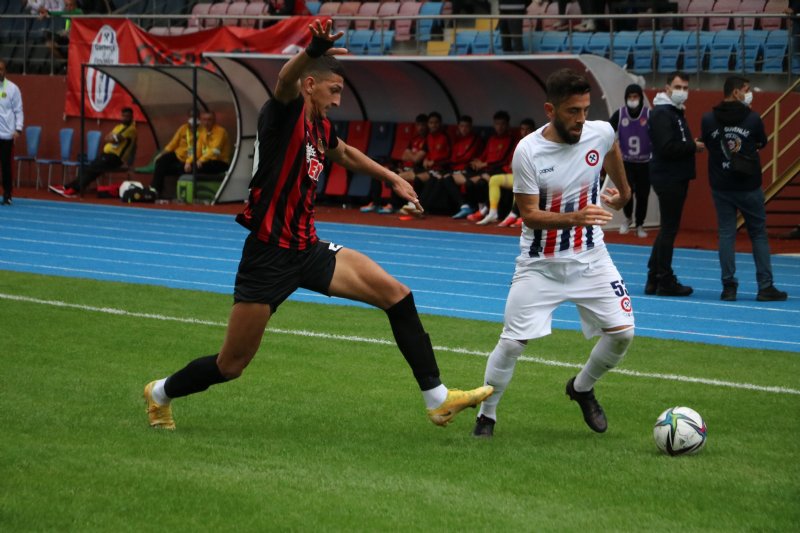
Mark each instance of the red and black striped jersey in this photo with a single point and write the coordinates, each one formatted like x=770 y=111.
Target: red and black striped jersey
x=290 y=153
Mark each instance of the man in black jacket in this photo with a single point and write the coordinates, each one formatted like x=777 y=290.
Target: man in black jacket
x=733 y=134
x=671 y=169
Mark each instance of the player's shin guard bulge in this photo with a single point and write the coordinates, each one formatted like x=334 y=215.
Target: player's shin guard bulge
x=413 y=342
x=499 y=371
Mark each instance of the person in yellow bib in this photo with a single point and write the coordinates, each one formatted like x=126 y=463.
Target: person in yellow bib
x=120 y=143
x=176 y=158
x=213 y=145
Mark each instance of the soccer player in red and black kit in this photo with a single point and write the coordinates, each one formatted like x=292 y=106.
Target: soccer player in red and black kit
x=283 y=253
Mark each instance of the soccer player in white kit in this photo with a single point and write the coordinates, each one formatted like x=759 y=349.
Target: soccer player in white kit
x=563 y=256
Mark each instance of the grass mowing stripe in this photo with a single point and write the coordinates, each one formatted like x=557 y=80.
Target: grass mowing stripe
x=372 y=340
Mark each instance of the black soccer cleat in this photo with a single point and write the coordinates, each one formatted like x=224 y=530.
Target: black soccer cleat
x=593 y=414
x=484 y=427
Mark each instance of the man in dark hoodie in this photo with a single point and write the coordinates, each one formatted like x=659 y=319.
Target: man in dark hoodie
x=733 y=134
x=630 y=123
x=671 y=169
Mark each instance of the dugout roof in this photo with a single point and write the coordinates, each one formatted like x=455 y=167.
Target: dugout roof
x=378 y=88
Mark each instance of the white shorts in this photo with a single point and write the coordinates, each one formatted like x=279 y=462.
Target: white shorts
x=538 y=287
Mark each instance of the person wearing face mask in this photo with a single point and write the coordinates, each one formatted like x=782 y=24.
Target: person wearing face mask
x=733 y=134
x=671 y=169
x=630 y=123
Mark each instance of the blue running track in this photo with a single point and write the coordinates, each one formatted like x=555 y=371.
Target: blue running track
x=454 y=274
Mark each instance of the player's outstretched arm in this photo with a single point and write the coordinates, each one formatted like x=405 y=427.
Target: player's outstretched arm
x=616 y=198
x=535 y=218
x=322 y=40
x=356 y=161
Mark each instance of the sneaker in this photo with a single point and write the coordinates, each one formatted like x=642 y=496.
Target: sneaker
x=771 y=294
x=672 y=287
x=386 y=210
x=410 y=209
x=640 y=232
x=160 y=415
x=625 y=227
x=517 y=223
x=463 y=212
x=651 y=286
x=484 y=427
x=488 y=219
x=6 y=200
x=508 y=221
x=476 y=216
x=593 y=414
x=66 y=193
x=369 y=208
x=457 y=401
x=728 y=292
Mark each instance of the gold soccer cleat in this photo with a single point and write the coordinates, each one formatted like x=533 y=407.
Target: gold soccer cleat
x=457 y=401
x=160 y=415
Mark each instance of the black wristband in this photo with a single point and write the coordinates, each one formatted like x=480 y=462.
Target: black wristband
x=318 y=47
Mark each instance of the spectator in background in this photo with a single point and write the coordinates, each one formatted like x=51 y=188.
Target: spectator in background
x=671 y=168
x=59 y=41
x=733 y=134
x=11 y=124
x=177 y=156
x=630 y=123
x=213 y=145
x=794 y=12
x=434 y=165
x=286 y=7
x=495 y=157
x=120 y=143
x=467 y=145
x=36 y=6
x=498 y=182
x=511 y=29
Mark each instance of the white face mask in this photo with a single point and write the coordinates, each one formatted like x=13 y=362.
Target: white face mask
x=632 y=104
x=679 y=97
x=748 y=98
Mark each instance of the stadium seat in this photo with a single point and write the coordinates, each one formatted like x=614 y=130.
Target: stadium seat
x=484 y=43
x=33 y=135
x=694 y=52
x=622 y=46
x=751 y=50
x=775 y=49
x=723 y=6
x=404 y=132
x=381 y=43
x=199 y=10
x=236 y=8
x=216 y=9
x=697 y=6
x=358 y=137
x=92 y=146
x=65 y=150
x=381 y=139
x=254 y=9
x=552 y=42
x=425 y=26
x=346 y=9
x=329 y=9
x=313 y=7
x=599 y=44
x=748 y=6
x=159 y=30
x=358 y=41
x=549 y=24
x=462 y=44
x=773 y=6
x=535 y=11
x=725 y=43
x=576 y=42
x=402 y=27
x=644 y=51
x=367 y=9
x=386 y=9
x=670 y=49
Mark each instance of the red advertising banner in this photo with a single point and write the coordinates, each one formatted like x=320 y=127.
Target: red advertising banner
x=120 y=42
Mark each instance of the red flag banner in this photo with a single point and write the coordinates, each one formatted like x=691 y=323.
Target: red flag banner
x=120 y=42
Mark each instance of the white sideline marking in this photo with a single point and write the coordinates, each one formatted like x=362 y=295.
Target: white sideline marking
x=353 y=338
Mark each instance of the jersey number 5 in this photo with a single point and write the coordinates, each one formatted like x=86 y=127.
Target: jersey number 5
x=619 y=288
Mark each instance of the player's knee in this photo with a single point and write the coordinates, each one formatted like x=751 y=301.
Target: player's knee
x=619 y=340
x=233 y=367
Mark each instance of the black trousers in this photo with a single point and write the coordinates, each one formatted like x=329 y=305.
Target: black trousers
x=511 y=31
x=166 y=165
x=671 y=199
x=6 y=148
x=104 y=163
x=639 y=179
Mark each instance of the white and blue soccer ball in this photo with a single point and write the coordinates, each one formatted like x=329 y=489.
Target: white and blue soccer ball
x=680 y=431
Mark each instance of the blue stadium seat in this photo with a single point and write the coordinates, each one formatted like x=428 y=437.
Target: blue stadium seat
x=425 y=26
x=313 y=7
x=552 y=42
x=694 y=53
x=622 y=46
x=381 y=43
x=725 y=43
x=645 y=50
x=483 y=43
x=670 y=49
x=753 y=48
x=532 y=41
x=599 y=44
x=381 y=140
x=359 y=41
x=462 y=45
x=576 y=42
x=775 y=49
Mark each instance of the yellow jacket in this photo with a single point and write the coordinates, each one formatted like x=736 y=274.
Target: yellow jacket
x=125 y=137
x=182 y=143
x=214 y=145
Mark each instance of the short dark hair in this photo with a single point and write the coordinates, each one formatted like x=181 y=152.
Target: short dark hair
x=564 y=83
x=465 y=118
x=733 y=83
x=126 y=110
x=676 y=74
x=422 y=117
x=528 y=122
x=502 y=115
x=323 y=65
x=434 y=114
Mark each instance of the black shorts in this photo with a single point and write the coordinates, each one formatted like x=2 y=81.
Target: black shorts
x=268 y=274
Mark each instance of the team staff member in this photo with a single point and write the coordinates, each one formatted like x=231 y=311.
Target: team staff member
x=283 y=252
x=120 y=143
x=213 y=144
x=562 y=253
x=671 y=170
x=11 y=124
x=176 y=158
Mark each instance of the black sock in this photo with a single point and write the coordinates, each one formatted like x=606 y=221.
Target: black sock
x=414 y=343
x=197 y=376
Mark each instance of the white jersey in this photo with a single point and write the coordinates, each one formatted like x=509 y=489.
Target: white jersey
x=566 y=177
